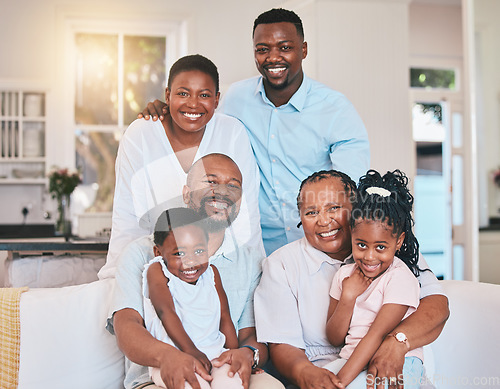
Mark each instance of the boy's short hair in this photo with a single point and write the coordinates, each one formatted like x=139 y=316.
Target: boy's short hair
x=194 y=62
x=174 y=218
x=279 y=15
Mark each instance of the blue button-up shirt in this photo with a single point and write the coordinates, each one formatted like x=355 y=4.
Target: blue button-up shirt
x=318 y=129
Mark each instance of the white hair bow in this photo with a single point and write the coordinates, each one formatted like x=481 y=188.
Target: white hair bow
x=378 y=190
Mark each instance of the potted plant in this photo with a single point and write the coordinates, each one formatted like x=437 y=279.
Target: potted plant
x=62 y=182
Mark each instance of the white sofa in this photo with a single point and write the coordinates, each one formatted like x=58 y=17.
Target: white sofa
x=467 y=353
x=64 y=343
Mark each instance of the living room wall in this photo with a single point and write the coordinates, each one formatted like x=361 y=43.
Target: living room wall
x=33 y=52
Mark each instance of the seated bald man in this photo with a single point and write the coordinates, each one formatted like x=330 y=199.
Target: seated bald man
x=213 y=188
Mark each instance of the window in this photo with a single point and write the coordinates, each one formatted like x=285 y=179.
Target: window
x=432 y=78
x=115 y=67
x=115 y=75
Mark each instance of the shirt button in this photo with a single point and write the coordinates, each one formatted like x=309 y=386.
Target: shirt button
x=288 y=228
x=275 y=109
x=272 y=136
x=277 y=182
x=274 y=160
x=284 y=204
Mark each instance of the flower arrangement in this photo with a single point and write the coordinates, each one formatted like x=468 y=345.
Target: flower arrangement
x=63 y=182
x=496 y=177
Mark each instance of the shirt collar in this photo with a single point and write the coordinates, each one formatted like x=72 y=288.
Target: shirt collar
x=349 y=259
x=315 y=258
x=228 y=249
x=298 y=99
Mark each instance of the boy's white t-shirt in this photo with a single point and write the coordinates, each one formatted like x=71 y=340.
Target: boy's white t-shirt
x=198 y=308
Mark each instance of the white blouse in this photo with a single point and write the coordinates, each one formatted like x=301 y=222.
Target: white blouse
x=149 y=179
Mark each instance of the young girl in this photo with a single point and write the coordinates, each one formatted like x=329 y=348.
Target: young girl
x=184 y=302
x=370 y=297
x=154 y=157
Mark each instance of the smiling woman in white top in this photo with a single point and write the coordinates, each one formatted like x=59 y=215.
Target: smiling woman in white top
x=154 y=157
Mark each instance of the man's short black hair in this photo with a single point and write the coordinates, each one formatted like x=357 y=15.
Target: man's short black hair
x=279 y=15
x=194 y=62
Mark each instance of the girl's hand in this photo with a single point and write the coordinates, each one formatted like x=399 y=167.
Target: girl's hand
x=355 y=284
x=202 y=358
x=313 y=377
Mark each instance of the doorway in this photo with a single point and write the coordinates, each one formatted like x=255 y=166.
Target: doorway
x=439 y=186
x=431 y=186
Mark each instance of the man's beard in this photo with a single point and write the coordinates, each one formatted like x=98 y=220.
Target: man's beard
x=281 y=86
x=215 y=225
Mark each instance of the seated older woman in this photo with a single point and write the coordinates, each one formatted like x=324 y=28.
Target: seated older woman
x=291 y=302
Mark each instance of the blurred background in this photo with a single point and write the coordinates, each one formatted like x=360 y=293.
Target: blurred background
x=423 y=74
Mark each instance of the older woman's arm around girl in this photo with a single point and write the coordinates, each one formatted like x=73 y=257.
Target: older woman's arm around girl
x=370 y=297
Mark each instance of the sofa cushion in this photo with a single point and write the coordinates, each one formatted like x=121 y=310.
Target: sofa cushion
x=64 y=343
x=466 y=352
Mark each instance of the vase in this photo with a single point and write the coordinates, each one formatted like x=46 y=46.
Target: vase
x=63 y=222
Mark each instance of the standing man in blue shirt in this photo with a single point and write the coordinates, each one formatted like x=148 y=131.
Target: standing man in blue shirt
x=296 y=125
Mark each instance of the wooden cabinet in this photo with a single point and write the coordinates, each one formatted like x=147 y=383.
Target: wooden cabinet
x=22 y=136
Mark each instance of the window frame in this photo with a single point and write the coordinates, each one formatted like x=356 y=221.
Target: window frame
x=433 y=68
x=63 y=135
x=174 y=33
